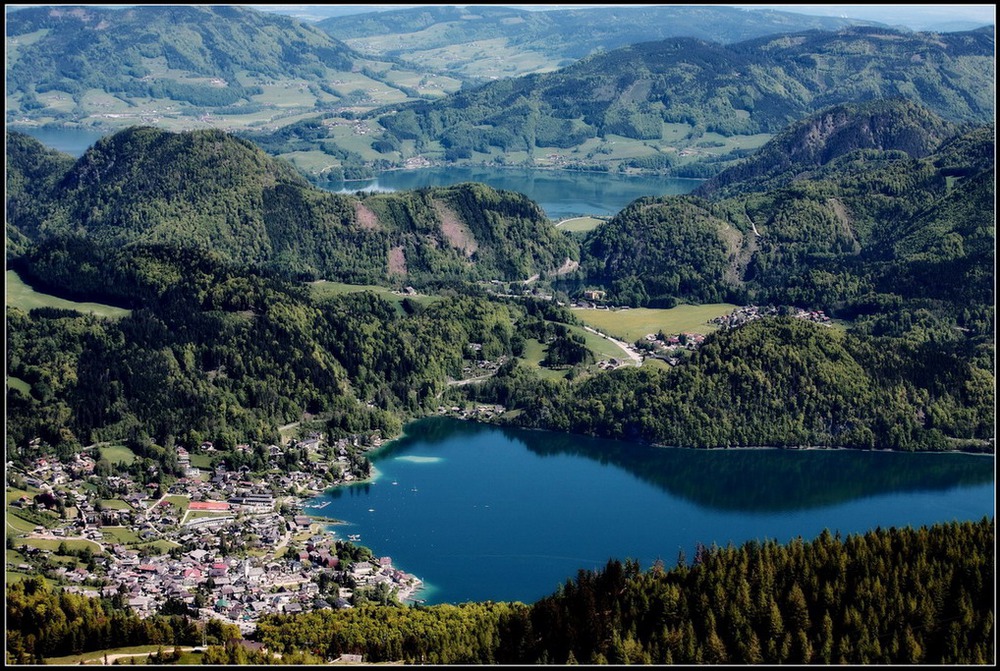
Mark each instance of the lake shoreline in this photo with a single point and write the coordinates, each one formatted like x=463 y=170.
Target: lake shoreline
x=774 y=498
x=802 y=448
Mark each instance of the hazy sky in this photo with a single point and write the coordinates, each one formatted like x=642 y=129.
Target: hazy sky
x=914 y=16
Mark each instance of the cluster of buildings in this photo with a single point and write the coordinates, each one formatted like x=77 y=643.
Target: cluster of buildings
x=226 y=546
x=748 y=313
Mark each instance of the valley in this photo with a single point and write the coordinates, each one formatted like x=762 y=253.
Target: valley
x=308 y=305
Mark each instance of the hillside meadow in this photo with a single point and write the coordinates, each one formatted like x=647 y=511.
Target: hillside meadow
x=22 y=296
x=635 y=323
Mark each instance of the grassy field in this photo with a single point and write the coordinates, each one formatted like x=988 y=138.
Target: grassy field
x=19 y=384
x=631 y=325
x=98 y=655
x=534 y=352
x=22 y=296
x=118 y=453
x=122 y=535
x=603 y=349
x=324 y=289
x=201 y=460
x=164 y=546
x=12 y=576
x=19 y=525
x=52 y=544
x=180 y=501
x=14 y=493
x=580 y=224
x=115 y=504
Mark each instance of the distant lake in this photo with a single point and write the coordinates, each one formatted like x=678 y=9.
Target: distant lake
x=560 y=193
x=72 y=141
x=483 y=513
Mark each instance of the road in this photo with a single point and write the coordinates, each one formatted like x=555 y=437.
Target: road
x=632 y=354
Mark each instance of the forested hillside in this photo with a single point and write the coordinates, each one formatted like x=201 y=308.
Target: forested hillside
x=886 y=125
x=200 y=232
x=756 y=86
x=871 y=205
x=896 y=596
x=210 y=190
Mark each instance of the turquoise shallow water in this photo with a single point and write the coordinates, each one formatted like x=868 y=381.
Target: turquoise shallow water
x=482 y=513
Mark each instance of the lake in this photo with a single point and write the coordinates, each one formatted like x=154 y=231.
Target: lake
x=561 y=194
x=486 y=513
x=72 y=141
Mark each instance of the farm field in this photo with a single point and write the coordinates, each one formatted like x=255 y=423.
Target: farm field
x=632 y=324
x=22 y=296
x=19 y=525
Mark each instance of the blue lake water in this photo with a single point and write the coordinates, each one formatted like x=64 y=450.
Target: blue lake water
x=72 y=141
x=483 y=513
x=561 y=194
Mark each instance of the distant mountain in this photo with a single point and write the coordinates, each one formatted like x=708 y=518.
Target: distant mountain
x=486 y=42
x=885 y=125
x=758 y=86
x=71 y=62
x=211 y=190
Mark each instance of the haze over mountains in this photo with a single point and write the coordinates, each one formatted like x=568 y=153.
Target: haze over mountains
x=681 y=105
x=938 y=18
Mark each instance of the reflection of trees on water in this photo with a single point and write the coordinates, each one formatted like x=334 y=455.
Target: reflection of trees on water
x=747 y=480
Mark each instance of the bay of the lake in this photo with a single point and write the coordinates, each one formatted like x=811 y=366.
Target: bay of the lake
x=481 y=513
x=69 y=140
x=561 y=194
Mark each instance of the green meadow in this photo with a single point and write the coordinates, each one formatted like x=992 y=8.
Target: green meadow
x=52 y=544
x=118 y=454
x=580 y=224
x=632 y=324
x=323 y=289
x=22 y=296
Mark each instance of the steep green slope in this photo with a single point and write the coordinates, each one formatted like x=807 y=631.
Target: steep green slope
x=32 y=173
x=210 y=190
x=886 y=125
x=659 y=249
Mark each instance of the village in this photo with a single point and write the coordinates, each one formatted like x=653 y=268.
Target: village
x=214 y=544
